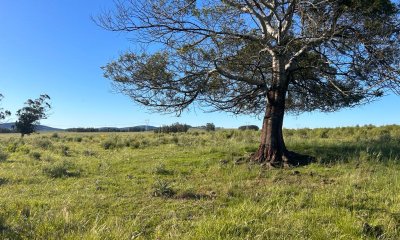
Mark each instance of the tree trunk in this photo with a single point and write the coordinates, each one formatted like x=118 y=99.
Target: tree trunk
x=272 y=148
x=272 y=151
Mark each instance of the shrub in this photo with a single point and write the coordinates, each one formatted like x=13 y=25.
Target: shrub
x=135 y=144
x=175 y=139
x=384 y=136
x=228 y=134
x=195 y=133
x=2 y=182
x=324 y=133
x=160 y=169
x=24 y=149
x=249 y=127
x=145 y=142
x=109 y=144
x=35 y=155
x=61 y=169
x=12 y=147
x=126 y=142
x=54 y=135
x=89 y=153
x=64 y=150
x=210 y=127
x=162 y=188
x=43 y=143
x=3 y=156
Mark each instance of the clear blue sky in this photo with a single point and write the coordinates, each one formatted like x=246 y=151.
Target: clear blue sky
x=53 y=47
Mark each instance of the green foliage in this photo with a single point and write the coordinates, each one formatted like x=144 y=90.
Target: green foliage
x=43 y=143
x=174 y=128
x=30 y=115
x=55 y=135
x=249 y=127
x=64 y=150
x=3 y=113
x=35 y=155
x=162 y=188
x=210 y=127
x=110 y=143
x=88 y=153
x=3 y=156
x=61 y=169
x=224 y=54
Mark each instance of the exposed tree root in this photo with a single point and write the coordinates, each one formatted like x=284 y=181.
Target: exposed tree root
x=287 y=160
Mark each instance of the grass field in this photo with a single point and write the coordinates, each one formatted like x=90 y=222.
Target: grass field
x=195 y=185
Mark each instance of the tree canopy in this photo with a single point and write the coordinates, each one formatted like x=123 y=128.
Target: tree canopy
x=30 y=115
x=338 y=53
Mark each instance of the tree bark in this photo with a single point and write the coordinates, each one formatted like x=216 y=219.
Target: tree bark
x=272 y=151
x=272 y=147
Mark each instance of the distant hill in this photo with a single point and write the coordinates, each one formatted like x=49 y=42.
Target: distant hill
x=40 y=128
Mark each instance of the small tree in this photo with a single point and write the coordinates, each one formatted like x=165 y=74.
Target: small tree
x=249 y=127
x=210 y=127
x=174 y=128
x=30 y=115
x=3 y=113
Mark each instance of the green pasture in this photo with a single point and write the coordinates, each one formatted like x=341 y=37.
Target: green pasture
x=198 y=185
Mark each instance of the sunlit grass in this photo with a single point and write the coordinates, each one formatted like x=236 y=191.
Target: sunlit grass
x=191 y=186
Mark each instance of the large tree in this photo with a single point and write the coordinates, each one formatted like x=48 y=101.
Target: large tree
x=30 y=115
x=261 y=57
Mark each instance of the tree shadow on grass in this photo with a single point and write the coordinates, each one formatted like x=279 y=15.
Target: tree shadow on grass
x=343 y=152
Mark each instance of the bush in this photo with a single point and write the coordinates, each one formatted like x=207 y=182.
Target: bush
x=114 y=142
x=3 y=156
x=175 y=139
x=210 y=127
x=61 y=169
x=162 y=188
x=249 y=127
x=43 y=143
x=54 y=135
x=135 y=144
x=64 y=150
x=35 y=155
x=89 y=153
x=110 y=143
x=324 y=133
x=14 y=145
